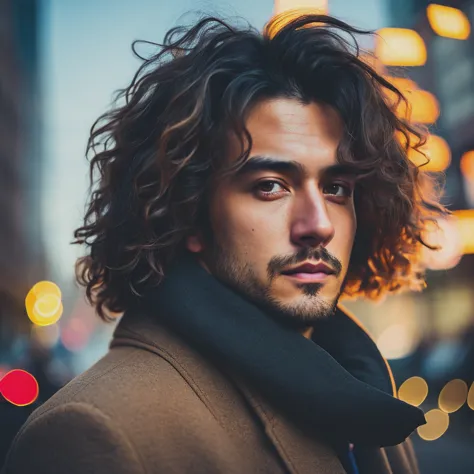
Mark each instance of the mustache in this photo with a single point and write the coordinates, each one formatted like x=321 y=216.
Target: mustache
x=278 y=264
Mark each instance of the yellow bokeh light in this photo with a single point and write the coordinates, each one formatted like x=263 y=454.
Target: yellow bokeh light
x=47 y=305
x=453 y=396
x=467 y=165
x=436 y=150
x=413 y=391
x=46 y=288
x=400 y=47
x=465 y=226
x=43 y=303
x=470 y=397
x=449 y=22
x=437 y=422
x=318 y=6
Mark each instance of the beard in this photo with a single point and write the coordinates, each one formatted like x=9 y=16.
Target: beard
x=240 y=277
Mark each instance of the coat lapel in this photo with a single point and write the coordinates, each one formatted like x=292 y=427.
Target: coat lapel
x=300 y=453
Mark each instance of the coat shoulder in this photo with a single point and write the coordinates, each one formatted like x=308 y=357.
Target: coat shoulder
x=136 y=405
x=129 y=382
x=74 y=438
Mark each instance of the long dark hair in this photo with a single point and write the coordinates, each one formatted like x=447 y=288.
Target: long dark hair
x=156 y=154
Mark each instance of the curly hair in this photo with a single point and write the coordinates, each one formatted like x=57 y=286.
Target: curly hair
x=156 y=154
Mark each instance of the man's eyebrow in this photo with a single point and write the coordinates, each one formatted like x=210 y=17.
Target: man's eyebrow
x=268 y=163
x=343 y=169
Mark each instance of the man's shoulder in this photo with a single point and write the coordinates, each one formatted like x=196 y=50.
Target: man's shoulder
x=132 y=402
x=125 y=382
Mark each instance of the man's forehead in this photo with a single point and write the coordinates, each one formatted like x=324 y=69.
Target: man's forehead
x=287 y=130
x=292 y=117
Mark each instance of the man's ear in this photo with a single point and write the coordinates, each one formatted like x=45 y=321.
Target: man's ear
x=194 y=243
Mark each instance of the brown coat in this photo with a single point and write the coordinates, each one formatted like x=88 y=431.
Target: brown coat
x=154 y=405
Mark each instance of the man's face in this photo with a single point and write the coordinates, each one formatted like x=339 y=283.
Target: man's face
x=290 y=205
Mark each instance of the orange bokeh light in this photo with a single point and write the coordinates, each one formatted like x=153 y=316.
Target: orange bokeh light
x=465 y=226
x=400 y=47
x=436 y=150
x=421 y=107
x=448 y=22
x=467 y=165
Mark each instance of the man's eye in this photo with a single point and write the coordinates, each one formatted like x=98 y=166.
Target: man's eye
x=269 y=188
x=337 y=189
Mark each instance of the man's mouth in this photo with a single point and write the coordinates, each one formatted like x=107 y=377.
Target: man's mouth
x=310 y=272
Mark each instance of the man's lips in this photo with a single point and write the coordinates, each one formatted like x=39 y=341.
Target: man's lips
x=310 y=272
x=310 y=268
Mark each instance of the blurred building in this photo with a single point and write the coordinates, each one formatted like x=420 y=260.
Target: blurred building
x=449 y=74
x=21 y=249
x=431 y=334
x=439 y=321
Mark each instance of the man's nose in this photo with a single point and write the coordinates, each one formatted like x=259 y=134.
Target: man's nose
x=311 y=223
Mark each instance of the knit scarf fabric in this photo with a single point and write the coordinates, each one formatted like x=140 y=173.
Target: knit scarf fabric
x=336 y=385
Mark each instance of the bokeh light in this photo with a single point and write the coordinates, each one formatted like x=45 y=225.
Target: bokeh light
x=448 y=22
x=424 y=107
x=453 y=396
x=400 y=47
x=398 y=340
x=465 y=227
x=436 y=150
x=467 y=165
x=413 y=391
x=318 y=6
x=442 y=233
x=437 y=422
x=43 y=303
x=19 y=387
x=470 y=397
x=421 y=106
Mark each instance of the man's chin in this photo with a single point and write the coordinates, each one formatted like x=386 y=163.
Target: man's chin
x=300 y=314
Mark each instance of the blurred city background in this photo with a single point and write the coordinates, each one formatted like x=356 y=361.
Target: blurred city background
x=61 y=61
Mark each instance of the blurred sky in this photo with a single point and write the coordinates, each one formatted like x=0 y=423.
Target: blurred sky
x=85 y=56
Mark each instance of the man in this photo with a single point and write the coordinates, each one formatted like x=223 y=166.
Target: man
x=247 y=182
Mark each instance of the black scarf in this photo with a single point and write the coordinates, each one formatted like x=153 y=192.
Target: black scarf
x=336 y=385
